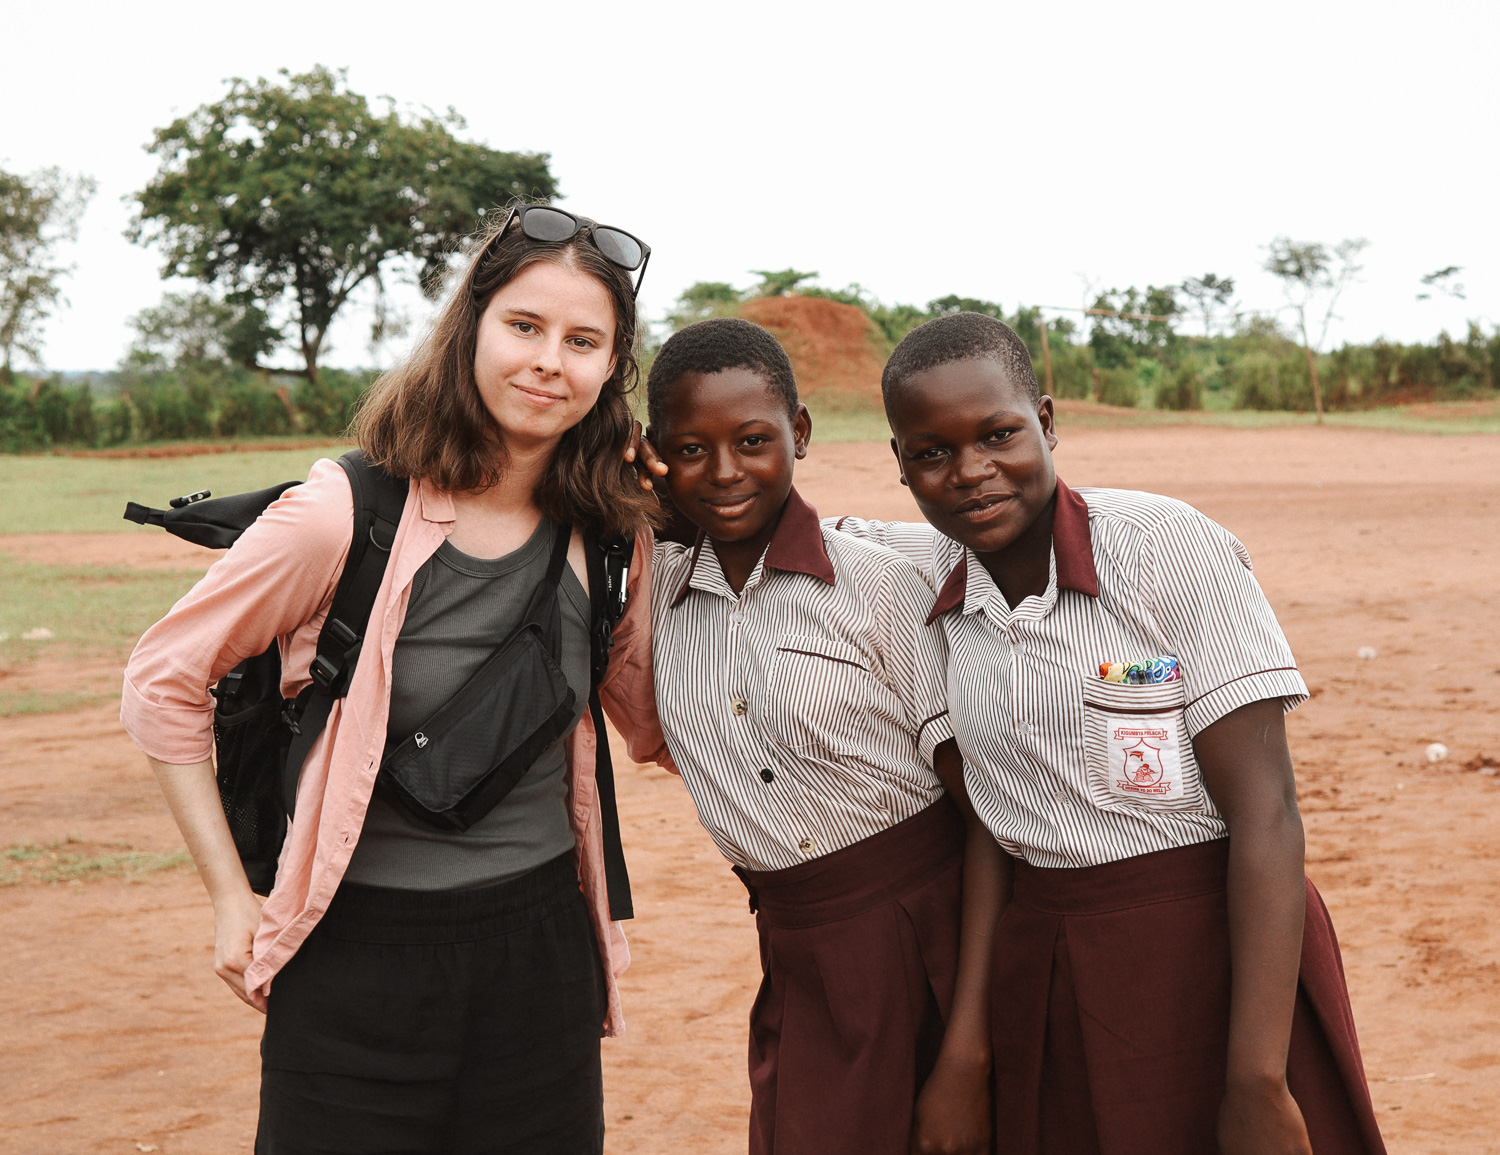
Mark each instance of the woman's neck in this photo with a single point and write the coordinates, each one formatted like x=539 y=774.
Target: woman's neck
x=499 y=520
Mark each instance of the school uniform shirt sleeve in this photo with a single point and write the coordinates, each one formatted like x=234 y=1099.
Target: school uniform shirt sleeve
x=280 y=575
x=916 y=541
x=1196 y=580
x=915 y=657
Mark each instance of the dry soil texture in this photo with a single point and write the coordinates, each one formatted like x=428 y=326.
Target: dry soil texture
x=116 y=1037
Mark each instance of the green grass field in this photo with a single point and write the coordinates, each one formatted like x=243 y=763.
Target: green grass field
x=90 y=612
x=56 y=494
x=87 y=494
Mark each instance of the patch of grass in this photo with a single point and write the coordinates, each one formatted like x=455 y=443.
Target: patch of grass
x=27 y=700
x=56 y=494
x=51 y=863
x=91 y=612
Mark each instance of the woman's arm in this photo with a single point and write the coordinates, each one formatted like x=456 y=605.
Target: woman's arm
x=953 y=1113
x=1248 y=770
x=193 y=797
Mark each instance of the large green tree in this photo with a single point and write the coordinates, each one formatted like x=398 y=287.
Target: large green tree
x=38 y=213
x=292 y=194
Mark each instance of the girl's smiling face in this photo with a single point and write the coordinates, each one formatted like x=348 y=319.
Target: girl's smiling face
x=975 y=451
x=730 y=445
x=544 y=351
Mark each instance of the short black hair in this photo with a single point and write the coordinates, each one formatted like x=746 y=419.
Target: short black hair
x=959 y=337
x=711 y=347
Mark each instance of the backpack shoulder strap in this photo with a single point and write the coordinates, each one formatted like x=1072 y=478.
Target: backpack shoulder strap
x=608 y=561
x=379 y=500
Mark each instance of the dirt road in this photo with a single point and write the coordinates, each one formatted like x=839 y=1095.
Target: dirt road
x=116 y=1037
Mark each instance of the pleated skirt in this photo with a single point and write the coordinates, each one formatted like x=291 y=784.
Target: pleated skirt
x=859 y=954
x=1111 y=1014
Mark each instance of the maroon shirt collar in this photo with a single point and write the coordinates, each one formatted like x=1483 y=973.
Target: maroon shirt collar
x=797 y=546
x=1071 y=545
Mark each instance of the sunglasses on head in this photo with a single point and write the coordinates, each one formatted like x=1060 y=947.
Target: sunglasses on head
x=545 y=223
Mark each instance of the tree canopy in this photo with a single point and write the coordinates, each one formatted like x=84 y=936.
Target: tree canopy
x=294 y=193
x=38 y=213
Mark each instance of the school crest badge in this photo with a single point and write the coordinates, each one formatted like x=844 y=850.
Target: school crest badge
x=1144 y=762
x=1142 y=768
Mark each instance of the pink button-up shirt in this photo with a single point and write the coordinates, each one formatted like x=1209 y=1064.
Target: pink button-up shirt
x=277 y=582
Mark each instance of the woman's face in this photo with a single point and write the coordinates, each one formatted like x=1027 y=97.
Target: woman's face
x=545 y=349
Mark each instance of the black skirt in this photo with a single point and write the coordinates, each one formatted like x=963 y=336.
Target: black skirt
x=454 y=1022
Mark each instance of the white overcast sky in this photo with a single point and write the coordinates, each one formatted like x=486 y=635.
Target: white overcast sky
x=997 y=150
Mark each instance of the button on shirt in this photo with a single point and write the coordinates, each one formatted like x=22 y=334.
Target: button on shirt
x=802 y=712
x=1067 y=770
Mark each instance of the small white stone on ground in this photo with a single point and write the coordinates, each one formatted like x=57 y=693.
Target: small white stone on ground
x=1367 y=653
x=1437 y=752
x=40 y=634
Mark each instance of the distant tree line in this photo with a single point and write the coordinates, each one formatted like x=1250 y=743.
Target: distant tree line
x=1133 y=346
x=282 y=200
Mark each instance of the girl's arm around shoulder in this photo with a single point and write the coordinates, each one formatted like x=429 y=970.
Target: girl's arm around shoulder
x=628 y=690
x=915 y=540
x=278 y=576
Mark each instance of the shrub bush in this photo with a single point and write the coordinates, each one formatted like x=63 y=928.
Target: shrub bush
x=250 y=409
x=1117 y=387
x=1181 y=388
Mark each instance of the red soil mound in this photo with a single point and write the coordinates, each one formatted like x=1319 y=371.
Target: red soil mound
x=835 y=349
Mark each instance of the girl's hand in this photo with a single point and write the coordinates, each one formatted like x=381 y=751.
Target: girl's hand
x=1261 y=1120
x=643 y=453
x=953 y=1111
x=235 y=920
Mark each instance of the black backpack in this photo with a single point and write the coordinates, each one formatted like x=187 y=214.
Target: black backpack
x=261 y=739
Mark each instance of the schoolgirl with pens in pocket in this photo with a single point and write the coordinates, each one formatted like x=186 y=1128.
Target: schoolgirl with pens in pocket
x=1166 y=978
x=800 y=688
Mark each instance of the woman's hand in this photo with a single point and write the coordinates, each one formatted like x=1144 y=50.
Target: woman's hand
x=235 y=920
x=193 y=797
x=953 y=1111
x=648 y=461
x=1261 y=1120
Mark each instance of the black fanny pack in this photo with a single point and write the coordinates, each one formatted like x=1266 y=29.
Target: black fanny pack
x=471 y=752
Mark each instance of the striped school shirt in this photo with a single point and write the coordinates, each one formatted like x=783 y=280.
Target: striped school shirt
x=1066 y=769
x=802 y=712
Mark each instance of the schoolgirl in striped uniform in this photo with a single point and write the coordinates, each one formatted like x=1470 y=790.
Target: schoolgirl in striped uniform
x=800 y=689
x=1166 y=979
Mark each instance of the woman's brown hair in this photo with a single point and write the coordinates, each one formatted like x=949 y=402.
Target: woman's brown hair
x=426 y=419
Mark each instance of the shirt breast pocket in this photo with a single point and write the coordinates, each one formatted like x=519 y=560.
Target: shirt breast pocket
x=1137 y=746
x=821 y=694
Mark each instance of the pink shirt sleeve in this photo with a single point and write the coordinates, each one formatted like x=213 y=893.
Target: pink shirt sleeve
x=277 y=579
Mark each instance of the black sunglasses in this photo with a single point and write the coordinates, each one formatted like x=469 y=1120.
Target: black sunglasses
x=545 y=223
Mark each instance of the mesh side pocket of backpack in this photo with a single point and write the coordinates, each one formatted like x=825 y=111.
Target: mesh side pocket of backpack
x=250 y=749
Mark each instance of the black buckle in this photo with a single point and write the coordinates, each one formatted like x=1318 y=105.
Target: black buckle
x=325 y=672
x=229 y=685
x=291 y=716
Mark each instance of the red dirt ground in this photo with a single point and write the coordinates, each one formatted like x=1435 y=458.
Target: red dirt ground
x=117 y=1037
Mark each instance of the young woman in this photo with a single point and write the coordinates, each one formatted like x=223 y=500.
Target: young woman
x=1166 y=978
x=428 y=988
x=801 y=689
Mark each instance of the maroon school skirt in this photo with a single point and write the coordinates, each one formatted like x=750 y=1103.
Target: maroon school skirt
x=1111 y=1014
x=859 y=951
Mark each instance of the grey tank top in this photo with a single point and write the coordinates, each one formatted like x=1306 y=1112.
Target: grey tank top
x=461 y=608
